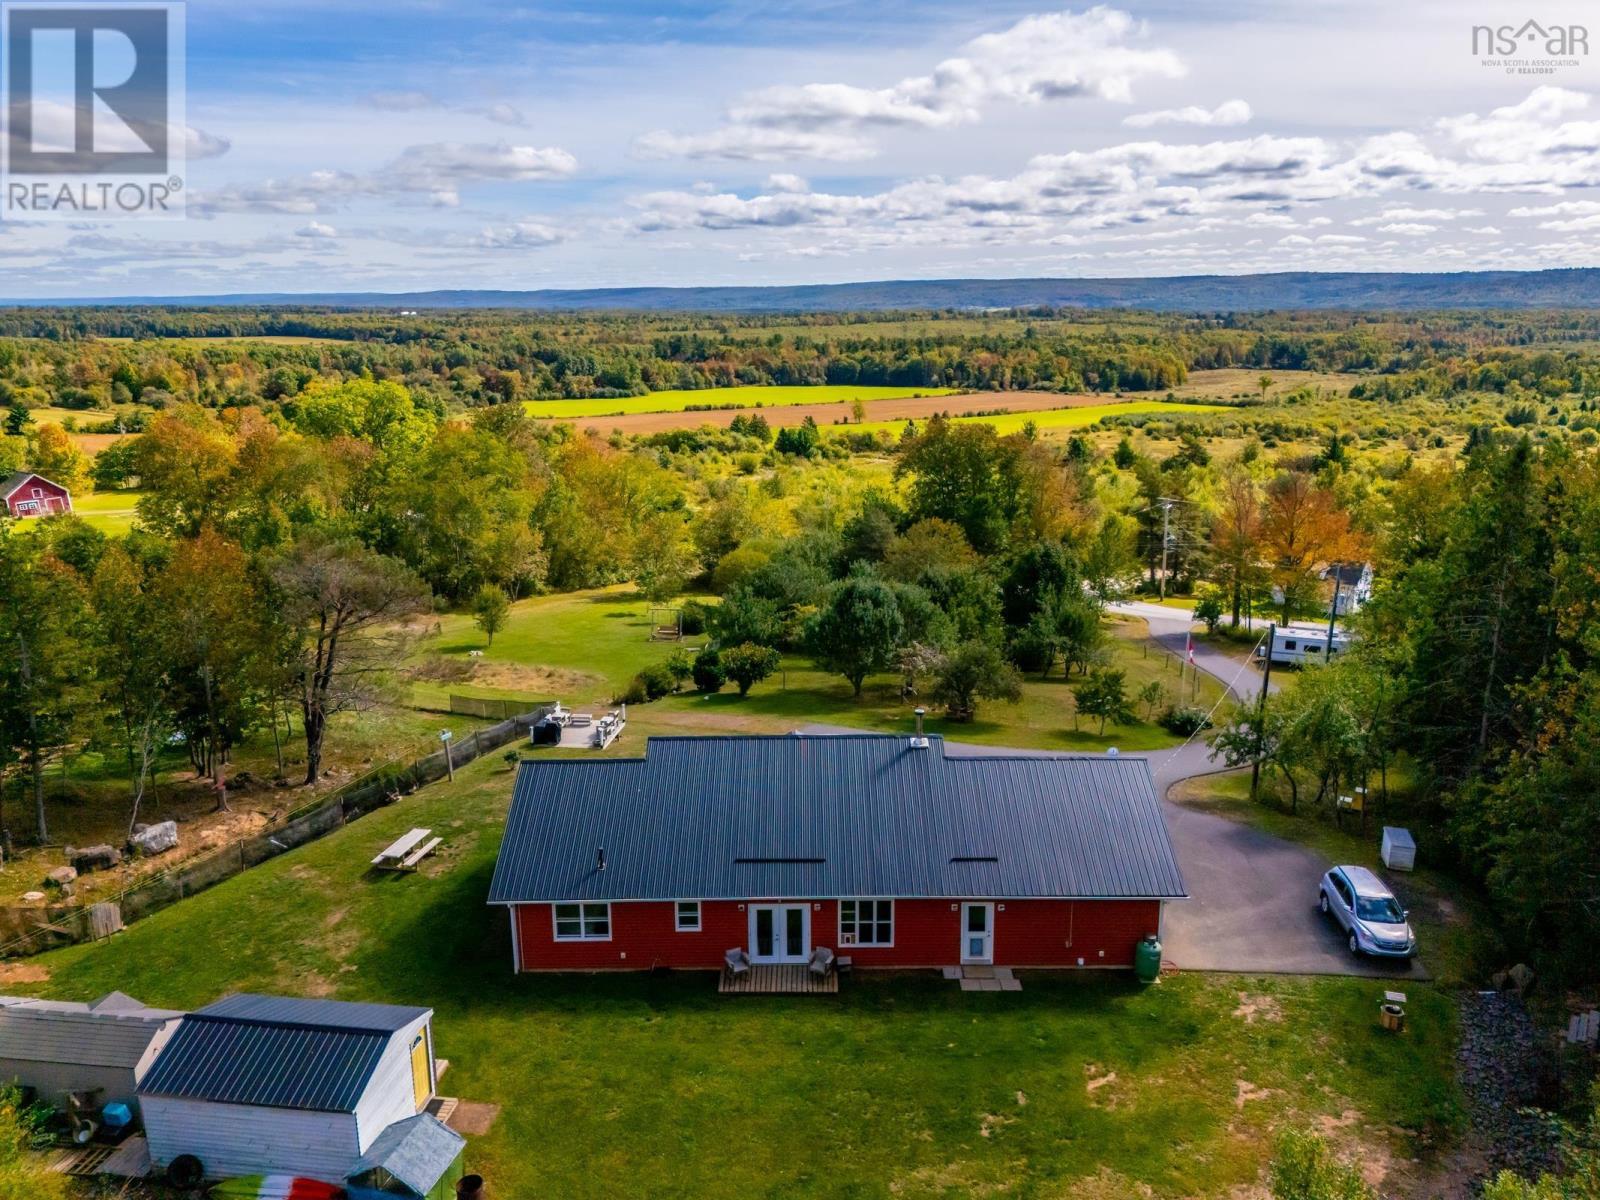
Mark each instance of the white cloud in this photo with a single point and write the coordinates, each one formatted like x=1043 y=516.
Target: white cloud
x=524 y=235
x=743 y=143
x=316 y=229
x=1043 y=57
x=1407 y=227
x=437 y=170
x=787 y=183
x=1229 y=112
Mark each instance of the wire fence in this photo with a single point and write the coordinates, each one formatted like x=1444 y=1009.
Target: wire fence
x=34 y=930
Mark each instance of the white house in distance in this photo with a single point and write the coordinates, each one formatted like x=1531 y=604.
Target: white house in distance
x=268 y=1084
x=1354 y=583
x=56 y=1047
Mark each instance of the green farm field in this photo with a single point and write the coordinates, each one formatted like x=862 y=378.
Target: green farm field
x=1052 y=419
x=730 y=397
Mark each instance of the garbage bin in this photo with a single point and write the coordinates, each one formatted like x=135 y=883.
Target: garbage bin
x=1147 y=959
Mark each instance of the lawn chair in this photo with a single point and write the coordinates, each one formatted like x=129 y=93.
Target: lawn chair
x=737 y=961
x=821 y=964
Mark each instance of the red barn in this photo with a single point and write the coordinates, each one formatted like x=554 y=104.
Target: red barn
x=886 y=849
x=28 y=495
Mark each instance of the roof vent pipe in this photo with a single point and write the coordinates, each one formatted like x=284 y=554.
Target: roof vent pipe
x=600 y=859
x=920 y=740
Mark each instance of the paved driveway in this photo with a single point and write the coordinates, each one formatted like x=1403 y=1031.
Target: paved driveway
x=1252 y=903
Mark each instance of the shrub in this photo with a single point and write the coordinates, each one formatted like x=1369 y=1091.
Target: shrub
x=652 y=683
x=709 y=673
x=748 y=664
x=680 y=666
x=693 y=616
x=1185 y=720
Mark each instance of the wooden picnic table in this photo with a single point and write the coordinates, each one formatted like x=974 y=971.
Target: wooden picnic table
x=407 y=851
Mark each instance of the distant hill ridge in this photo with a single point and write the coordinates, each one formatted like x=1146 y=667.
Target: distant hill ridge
x=1569 y=288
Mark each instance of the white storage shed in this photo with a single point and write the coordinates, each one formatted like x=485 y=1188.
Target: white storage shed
x=56 y=1047
x=266 y=1084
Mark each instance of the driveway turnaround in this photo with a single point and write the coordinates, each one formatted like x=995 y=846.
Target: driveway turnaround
x=1252 y=904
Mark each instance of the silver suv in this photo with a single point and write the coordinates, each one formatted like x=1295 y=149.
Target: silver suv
x=1368 y=912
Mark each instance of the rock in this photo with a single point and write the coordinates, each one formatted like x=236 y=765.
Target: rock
x=94 y=858
x=32 y=897
x=60 y=877
x=157 y=838
x=242 y=780
x=1521 y=977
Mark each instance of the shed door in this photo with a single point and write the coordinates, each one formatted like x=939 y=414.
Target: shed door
x=421 y=1070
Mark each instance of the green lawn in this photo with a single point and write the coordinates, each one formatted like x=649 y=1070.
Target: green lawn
x=583 y=647
x=1050 y=419
x=730 y=397
x=901 y=1086
x=109 y=512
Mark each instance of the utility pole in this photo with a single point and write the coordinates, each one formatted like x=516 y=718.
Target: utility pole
x=1333 y=612
x=1166 y=539
x=1261 y=708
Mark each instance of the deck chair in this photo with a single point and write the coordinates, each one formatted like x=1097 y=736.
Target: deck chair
x=821 y=964
x=738 y=962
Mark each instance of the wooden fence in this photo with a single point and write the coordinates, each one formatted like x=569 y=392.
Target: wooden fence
x=25 y=931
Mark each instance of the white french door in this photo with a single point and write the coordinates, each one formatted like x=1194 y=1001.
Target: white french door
x=977 y=933
x=780 y=933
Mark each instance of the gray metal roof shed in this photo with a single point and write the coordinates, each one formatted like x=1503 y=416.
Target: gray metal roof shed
x=825 y=816
x=278 y=1052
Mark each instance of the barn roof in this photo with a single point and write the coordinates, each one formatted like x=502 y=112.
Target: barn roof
x=17 y=478
x=821 y=816
x=416 y=1151
x=278 y=1052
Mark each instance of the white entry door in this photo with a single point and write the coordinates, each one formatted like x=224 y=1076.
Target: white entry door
x=977 y=933
x=780 y=933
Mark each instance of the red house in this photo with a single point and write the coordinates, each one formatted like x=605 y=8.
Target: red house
x=887 y=849
x=28 y=495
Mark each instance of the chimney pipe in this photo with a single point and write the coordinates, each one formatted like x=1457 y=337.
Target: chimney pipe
x=600 y=858
x=919 y=740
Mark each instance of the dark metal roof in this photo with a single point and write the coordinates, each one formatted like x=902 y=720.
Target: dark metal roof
x=812 y=817
x=277 y=1052
x=416 y=1152
x=335 y=1014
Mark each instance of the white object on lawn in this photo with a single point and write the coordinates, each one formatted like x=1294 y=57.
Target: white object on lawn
x=1399 y=850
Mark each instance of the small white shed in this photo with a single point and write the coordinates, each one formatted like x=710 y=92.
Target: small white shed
x=267 y=1084
x=1399 y=850
x=56 y=1047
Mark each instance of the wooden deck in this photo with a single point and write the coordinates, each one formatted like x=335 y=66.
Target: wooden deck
x=776 y=979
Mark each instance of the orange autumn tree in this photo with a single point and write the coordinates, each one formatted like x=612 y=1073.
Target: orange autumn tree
x=1302 y=527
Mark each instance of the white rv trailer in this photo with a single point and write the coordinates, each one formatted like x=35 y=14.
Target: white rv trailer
x=1304 y=644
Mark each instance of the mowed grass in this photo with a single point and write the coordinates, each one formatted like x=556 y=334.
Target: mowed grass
x=901 y=1086
x=730 y=397
x=584 y=647
x=109 y=512
x=1048 y=420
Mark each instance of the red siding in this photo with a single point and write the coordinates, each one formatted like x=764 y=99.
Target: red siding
x=1028 y=933
x=23 y=503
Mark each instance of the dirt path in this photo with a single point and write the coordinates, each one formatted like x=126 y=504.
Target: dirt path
x=904 y=408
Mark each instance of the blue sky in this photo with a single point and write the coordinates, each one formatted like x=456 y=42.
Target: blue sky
x=395 y=145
